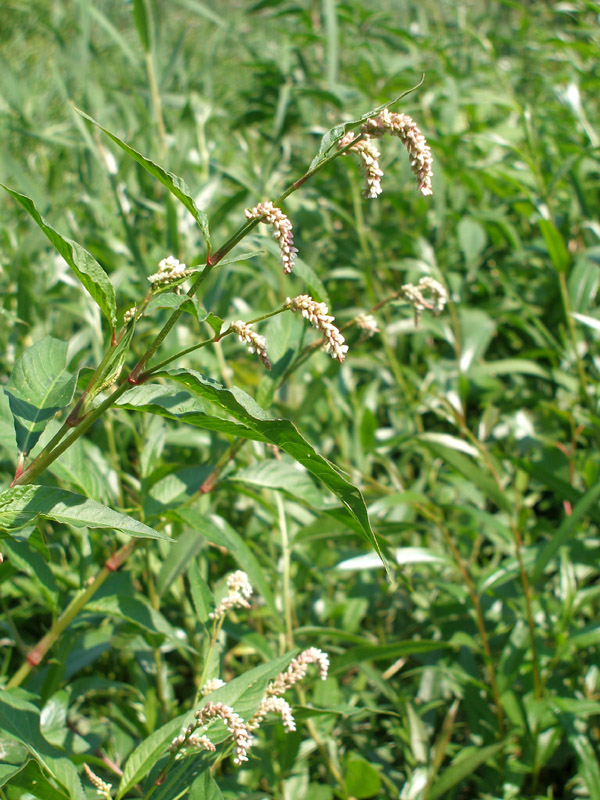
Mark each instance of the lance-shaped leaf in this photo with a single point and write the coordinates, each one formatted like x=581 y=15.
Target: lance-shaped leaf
x=173 y=183
x=178 y=405
x=83 y=263
x=285 y=435
x=20 y=506
x=38 y=388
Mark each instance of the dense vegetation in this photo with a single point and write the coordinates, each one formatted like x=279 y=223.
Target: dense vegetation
x=472 y=672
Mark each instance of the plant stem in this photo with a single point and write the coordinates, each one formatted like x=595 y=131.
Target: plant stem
x=59 y=445
x=38 y=653
x=157 y=103
x=479 y=618
x=286 y=589
x=583 y=388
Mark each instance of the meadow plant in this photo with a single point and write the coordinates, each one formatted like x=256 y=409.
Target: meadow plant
x=41 y=386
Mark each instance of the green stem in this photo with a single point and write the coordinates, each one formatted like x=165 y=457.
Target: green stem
x=157 y=103
x=286 y=588
x=43 y=461
x=564 y=292
x=36 y=656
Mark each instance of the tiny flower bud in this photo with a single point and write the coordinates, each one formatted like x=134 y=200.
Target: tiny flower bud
x=367 y=323
x=211 y=686
x=129 y=315
x=297 y=670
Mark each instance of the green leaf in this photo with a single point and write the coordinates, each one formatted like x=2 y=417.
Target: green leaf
x=335 y=134
x=137 y=610
x=173 y=183
x=171 y=301
x=588 y=763
x=35 y=784
x=284 y=434
x=38 y=388
x=361 y=778
x=29 y=561
x=201 y=594
x=179 y=559
x=142 y=23
x=555 y=245
x=273 y=474
x=114 y=365
x=384 y=652
x=567 y=528
x=471 y=471
x=463 y=768
x=22 y=504
x=182 y=407
x=205 y=788
x=21 y=719
x=83 y=264
x=182 y=776
x=472 y=239
x=7 y=771
x=243 y=693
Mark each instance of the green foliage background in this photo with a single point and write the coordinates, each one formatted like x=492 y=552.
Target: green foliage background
x=474 y=438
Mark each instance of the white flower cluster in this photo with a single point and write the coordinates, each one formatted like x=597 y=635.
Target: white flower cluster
x=369 y=157
x=277 y=705
x=234 y=723
x=297 y=670
x=240 y=591
x=102 y=788
x=255 y=343
x=368 y=324
x=129 y=315
x=407 y=130
x=319 y=317
x=272 y=702
x=271 y=215
x=415 y=296
x=169 y=269
x=211 y=686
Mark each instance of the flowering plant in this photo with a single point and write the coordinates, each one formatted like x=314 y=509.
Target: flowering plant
x=42 y=386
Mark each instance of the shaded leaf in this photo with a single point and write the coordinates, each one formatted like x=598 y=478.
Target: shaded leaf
x=463 y=768
x=38 y=388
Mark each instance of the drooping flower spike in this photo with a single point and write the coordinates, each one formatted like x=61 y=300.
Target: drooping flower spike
x=319 y=317
x=407 y=130
x=282 y=230
x=253 y=341
x=416 y=296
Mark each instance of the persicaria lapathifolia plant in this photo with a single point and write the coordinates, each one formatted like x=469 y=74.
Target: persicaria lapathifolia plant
x=42 y=385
